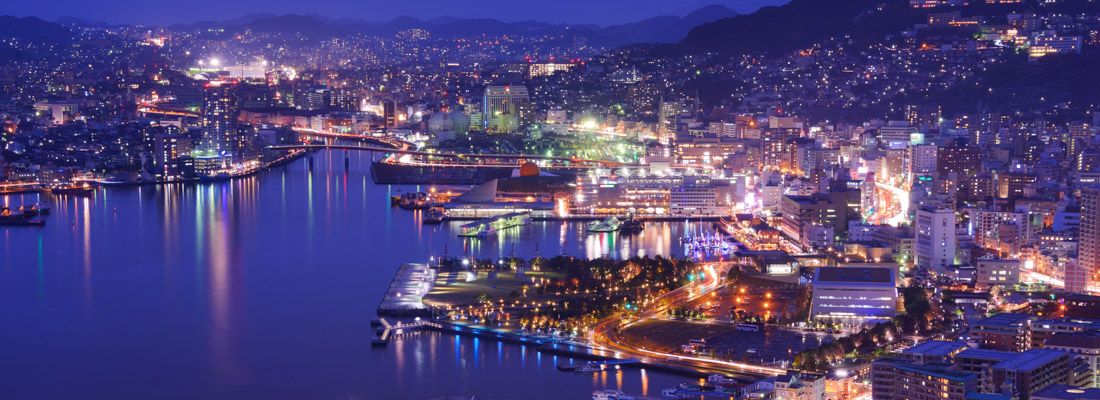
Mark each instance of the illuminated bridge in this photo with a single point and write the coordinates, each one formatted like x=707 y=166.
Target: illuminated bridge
x=460 y=159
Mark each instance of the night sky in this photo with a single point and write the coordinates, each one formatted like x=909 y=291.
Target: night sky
x=160 y=12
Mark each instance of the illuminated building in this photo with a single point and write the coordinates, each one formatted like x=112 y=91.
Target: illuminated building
x=507 y=108
x=855 y=294
x=996 y=272
x=935 y=237
x=1043 y=43
x=219 y=119
x=905 y=380
x=666 y=117
x=1002 y=231
x=545 y=69
x=1089 y=234
x=795 y=385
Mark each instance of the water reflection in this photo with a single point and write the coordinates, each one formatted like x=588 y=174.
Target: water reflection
x=261 y=287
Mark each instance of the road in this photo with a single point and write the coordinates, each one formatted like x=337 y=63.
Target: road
x=606 y=334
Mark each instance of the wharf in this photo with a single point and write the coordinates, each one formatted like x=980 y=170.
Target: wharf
x=405 y=296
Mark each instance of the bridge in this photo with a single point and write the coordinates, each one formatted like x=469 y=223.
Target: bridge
x=461 y=159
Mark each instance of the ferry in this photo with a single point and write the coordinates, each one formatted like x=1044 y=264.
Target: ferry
x=487 y=226
x=73 y=190
x=610 y=224
x=611 y=394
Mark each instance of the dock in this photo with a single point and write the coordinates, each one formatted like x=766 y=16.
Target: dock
x=399 y=328
x=598 y=365
x=405 y=296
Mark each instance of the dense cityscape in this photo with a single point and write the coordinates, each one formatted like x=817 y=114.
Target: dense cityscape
x=823 y=199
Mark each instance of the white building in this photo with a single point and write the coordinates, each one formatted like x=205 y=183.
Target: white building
x=935 y=237
x=854 y=293
x=796 y=385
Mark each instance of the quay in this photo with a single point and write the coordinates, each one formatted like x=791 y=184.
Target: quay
x=405 y=296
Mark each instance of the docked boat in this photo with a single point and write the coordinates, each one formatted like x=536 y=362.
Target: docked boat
x=73 y=190
x=435 y=215
x=17 y=218
x=721 y=380
x=35 y=210
x=610 y=224
x=690 y=391
x=631 y=225
x=487 y=226
x=414 y=201
x=748 y=327
x=611 y=394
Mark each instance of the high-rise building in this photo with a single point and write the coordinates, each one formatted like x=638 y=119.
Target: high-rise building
x=666 y=117
x=1089 y=234
x=935 y=237
x=507 y=107
x=219 y=119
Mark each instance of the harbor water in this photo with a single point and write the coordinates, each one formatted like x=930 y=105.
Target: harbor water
x=264 y=287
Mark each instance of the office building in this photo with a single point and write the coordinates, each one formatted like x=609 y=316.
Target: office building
x=854 y=294
x=507 y=108
x=934 y=242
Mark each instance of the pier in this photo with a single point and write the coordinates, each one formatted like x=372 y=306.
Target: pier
x=405 y=296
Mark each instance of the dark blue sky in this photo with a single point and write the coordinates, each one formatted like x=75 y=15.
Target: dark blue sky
x=171 y=11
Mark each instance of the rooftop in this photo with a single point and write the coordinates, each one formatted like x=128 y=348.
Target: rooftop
x=1074 y=340
x=935 y=348
x=1066 y=392
x=1004 y=319
x=1030 y=360
x=855 y=274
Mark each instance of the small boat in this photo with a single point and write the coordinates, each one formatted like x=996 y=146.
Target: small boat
x=690 y=391
x=748 y=327
x=588 y=368
x=721 y=380
x=414 y=201
x=611 y=394
x=610 y=224
x=435 y=215
x=631 y=225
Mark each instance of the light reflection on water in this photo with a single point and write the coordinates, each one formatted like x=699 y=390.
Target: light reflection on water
x=261 y=287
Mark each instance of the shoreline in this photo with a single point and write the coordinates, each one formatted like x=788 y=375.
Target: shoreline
x=294 y=155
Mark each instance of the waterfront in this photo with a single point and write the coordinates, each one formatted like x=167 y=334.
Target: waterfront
x=262 y=287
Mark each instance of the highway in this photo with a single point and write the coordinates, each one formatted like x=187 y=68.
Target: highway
x=606 y=333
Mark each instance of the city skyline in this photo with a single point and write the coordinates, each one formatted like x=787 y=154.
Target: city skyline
x=824 y=200
x=601 y=13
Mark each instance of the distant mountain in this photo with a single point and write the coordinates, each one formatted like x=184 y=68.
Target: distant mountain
x=33 y=29
x=662 y=29
x=309 y=26
x=801 y=23
x=667 y=28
